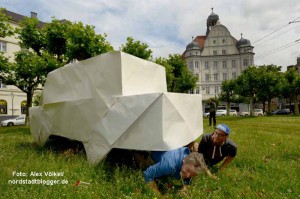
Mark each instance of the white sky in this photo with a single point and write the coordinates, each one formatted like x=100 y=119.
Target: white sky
x=167 y=26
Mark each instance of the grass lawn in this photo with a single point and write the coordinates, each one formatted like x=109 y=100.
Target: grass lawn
x=267 y=166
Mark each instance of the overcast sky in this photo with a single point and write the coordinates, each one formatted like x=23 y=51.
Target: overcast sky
x=167 y=26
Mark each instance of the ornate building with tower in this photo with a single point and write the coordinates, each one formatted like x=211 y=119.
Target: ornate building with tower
x=217 y=56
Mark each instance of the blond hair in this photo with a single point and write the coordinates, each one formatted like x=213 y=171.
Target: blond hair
x=198 y=161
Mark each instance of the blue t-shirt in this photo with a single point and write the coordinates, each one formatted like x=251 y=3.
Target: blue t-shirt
x=167 y=163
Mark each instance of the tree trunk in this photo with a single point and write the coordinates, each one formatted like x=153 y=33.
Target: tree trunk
x=264 y=105
x=251 y=105
x=228 y=108
x=296 y=106
x=269 y=106
x=28 y=105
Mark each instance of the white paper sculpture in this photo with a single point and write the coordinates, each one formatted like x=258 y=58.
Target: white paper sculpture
x=115 y=100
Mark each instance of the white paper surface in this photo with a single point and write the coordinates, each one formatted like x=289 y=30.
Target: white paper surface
x=115 y=100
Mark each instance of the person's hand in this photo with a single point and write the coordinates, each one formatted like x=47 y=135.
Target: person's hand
x=211 y=175
x=152 y=184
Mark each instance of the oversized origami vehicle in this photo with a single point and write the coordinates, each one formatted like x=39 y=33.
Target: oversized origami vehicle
x=115 y=100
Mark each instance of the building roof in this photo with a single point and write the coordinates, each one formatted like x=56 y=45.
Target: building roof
x=212 y=19
x=17 y=17
x=243 y=43
x=200 y=40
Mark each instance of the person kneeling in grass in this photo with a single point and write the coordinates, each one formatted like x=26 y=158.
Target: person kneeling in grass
x=179 y=163
x=216 y=147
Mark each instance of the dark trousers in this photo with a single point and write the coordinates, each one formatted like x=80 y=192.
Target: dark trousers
x=212 y=115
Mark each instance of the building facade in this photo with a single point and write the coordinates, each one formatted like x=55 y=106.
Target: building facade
x=12 y=99
x=216 y=56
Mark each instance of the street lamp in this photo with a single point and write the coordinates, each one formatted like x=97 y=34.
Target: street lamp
x=12 y=103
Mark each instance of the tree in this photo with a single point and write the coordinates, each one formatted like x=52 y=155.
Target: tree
x=269 y=79
x=291 y=88
x=29 y=71
x=248 y=84
x=182 y=79
x=5 y=28
x=83 y=42
x=169 y=71
x=228 y=93
x=47 y=48
x=136 y=48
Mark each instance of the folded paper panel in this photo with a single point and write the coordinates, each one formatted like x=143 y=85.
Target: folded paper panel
x=122 y=115
x=146 y=131
x=141 y=76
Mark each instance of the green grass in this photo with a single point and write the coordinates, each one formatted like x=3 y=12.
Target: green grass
x=267 y=166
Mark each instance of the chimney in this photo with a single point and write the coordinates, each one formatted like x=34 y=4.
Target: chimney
x=33 y=14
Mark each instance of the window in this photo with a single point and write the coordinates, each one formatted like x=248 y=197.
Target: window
x=214 y=41
x=233 y=64
x=3 y=46
x=214 y=52
x=223 y=52
x=245 y=62
x=2 y=85
x=206 y=65
x=196 y=64
x=207 y=90
x=190 y=65
x=224 y=76
x=215 y=64
x=233 y=75
x=206 y=77
x=224 y=64
x=3 y=107
x=216 y=89
x=216 y=77
x=223 y=40
x=191 y=91
x=23 y=107
x=197 y=90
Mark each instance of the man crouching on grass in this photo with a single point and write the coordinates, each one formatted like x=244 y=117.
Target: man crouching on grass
x=216 y=147
x=178 y=163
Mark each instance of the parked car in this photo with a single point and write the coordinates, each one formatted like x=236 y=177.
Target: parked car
x=256 y=112
x=20 y=120
x=281 y=112
x=244 y=113
x=221 y=113
x=206 y=114
x=233 y=112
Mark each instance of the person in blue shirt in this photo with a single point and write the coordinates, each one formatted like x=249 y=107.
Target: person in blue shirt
x=179 y=163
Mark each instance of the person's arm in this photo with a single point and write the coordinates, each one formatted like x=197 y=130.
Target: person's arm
x=227 y=160
x=202 y=145
x=157 y=170
x=193 y=146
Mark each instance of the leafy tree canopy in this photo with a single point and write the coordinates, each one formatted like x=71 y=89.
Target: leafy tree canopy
x=137 y=49
x=5 y=28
